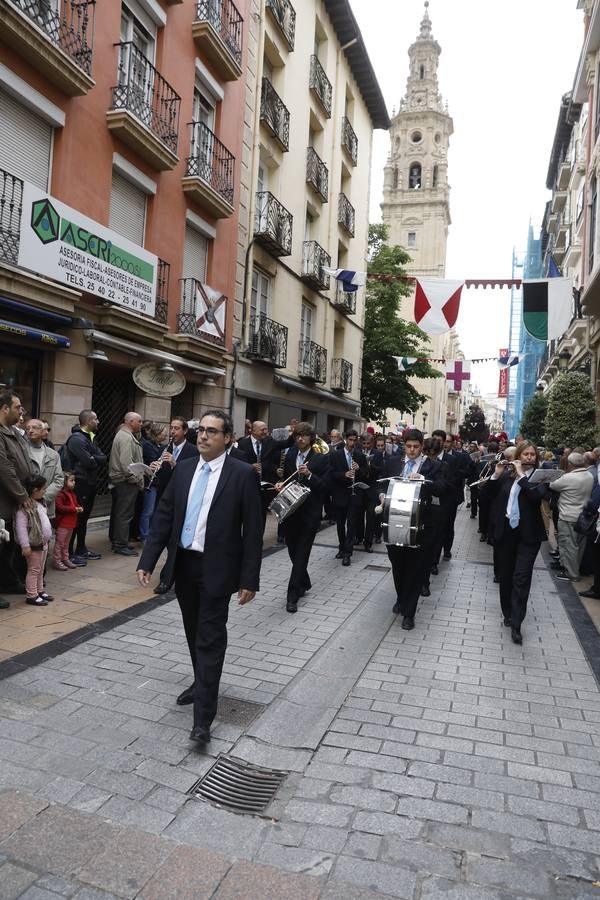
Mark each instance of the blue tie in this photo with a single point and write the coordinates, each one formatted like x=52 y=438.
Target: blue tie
x=300 y=460
x=409 y=467
x=194 y=505
x=515 y=513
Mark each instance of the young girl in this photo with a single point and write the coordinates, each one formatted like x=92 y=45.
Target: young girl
x=67 y=509
x=33 y=531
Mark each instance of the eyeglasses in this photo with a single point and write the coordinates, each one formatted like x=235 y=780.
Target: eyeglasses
x=209 y=432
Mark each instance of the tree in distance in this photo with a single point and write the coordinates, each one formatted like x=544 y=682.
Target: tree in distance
x=533 y=419
x=571 y=416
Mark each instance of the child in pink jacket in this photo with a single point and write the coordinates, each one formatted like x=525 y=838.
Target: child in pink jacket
x=33 y=532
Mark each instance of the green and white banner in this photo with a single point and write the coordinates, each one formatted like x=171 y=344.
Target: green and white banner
x=61 y=243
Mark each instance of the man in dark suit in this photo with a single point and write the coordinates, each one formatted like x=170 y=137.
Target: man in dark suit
x=458 y=470
x=263 y=453
x=518 y=530
x=409 y=563
x=209 y=519
x=347 y=464
x=302 y=525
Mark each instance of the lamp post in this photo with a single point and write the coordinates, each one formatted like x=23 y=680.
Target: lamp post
x=424 y=419
x=563 y=360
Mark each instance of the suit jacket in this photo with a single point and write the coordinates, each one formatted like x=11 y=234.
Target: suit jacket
x=233 y=543
x=530 y=499
x=309 y=514
x=236 y=453
x=188 y=451
x=338 y=466
x=270 y=454
x=435 y=486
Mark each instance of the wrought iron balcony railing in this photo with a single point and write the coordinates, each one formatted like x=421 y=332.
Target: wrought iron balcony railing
x=275 y=114
x=143 y=91
x=285 y=15
x=349 y=140
x=346 y=215
x=11 y=207
x=162 y=292
x=312 y=361
x=69 y=26
x=226 y=20
x=190 y=320
x=316 y=173
x=268 y=341
x=320 y=85
x=273 y=224
x=211 y=161
x=341 y=375
x=314 y=258
x=344 y=301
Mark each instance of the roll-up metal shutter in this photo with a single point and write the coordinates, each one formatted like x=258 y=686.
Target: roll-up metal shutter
x=25 y=142
x=195 y=254
x=127 y=209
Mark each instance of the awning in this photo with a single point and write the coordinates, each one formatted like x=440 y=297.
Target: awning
x=109 y=340
x=291 y=384
x=47 y=338
x=43 y=315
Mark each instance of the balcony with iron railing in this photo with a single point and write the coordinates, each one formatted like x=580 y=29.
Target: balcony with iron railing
x=267 y=341
x=145 y=109
x=273 y=224
x=275 y=115
x=343 y=300
x=349 y=140
x=346 y=215
x=314 y=258
x=209 y=173
x=217 y=32
x=208 y=326
x=316 y=174
x=55 y=38
x=320 y=85
x=312 y=361
x=11 y=208
x=284 y=15
x=341 y=375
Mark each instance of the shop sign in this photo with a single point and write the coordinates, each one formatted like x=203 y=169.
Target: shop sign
x=65 y=245
x=149 y=378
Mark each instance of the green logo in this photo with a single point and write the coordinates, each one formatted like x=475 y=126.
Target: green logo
x=45 y=221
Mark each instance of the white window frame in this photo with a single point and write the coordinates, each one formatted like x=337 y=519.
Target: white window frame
x=260 y=295
x=306 y=322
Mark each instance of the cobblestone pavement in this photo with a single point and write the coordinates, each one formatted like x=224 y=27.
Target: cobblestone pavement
x=445 y=762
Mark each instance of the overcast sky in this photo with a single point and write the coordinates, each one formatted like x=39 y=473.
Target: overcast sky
x=503 y=70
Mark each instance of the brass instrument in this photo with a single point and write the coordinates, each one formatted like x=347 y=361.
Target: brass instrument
x=320 y=446
x=490 y=467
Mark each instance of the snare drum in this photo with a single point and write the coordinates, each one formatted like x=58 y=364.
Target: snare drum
x=288 y=500
x=402 y=523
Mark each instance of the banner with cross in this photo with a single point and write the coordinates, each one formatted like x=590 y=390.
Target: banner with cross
x=210 y=311
x=458 y=374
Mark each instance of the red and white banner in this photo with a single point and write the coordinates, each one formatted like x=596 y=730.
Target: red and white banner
x=210 y=311
x=503 y=378
x=437 y=302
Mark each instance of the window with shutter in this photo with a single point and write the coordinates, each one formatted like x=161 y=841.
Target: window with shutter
x=127 y=209
x=195 y=254
x=25 y=142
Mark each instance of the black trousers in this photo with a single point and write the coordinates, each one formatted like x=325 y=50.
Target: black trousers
x=474 y=500
x=345 y=520
x=408 y=570
x=13 y=566
x=86 y=494
x=299 y=537
x=205 y=624
x=448 y=537
x=369 y=499
x=514 y=561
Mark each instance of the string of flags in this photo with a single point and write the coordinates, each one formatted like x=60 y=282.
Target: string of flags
x=504 y=362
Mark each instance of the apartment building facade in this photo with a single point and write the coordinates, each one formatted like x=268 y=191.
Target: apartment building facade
x=311 y=106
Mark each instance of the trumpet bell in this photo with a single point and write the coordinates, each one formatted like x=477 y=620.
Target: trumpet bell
x=320 y=446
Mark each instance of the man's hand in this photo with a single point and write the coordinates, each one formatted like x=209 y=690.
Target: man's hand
x=518 y=468
x=257 y=468
x=26 y=551
x=29 y=504
x=245 y=596
x=303 y=469
x=143 y=577
x=155 y=465
x=349 y=474
x=79 y=509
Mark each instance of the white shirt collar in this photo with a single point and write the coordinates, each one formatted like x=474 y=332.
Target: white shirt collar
x=214 y=464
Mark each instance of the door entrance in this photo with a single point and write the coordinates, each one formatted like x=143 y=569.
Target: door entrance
x=112 y=397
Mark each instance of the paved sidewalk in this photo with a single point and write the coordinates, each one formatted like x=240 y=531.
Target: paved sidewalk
x=440 y=763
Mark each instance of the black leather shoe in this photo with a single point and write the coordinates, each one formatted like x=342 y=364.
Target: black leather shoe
x=4 y=604
x=407 y=623
x=554 y=554
x=473 y=516
x=339 y=555
x=496 y=580
x=125 y=551
x=434 y=570
x=507 y=622
x=346 y=561
x=591 y=593
x=292 y=606
x=556 y=565
x=161 y=588
x=186 y=697
x=482 y=539
x=396 y=608
x=447 y=556
x=425 y=592
x=368 y=548
x=200 y=733
x=517 y=637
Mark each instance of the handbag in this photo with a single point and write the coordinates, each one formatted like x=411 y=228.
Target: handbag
x=586 y=522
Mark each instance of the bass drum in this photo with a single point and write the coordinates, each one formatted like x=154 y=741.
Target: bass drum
x=401 y=519
x=288 y=500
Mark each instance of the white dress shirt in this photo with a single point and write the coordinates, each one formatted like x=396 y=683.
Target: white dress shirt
x=177 y=448
x=216 y=465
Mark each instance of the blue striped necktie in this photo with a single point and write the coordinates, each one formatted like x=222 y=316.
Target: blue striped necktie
x=194 y=505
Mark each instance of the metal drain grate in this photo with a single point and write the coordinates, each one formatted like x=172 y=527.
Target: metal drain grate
x=374 y=568
x=238 y=712
x=238 y=786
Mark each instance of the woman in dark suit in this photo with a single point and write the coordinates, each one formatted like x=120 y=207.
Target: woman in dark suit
x=518 y=530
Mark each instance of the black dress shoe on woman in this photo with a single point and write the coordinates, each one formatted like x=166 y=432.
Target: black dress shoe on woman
x=161 y=588
x=408 y=623
x=186 y=697
x=517 y=637
x=292 y=606
x=200 y=733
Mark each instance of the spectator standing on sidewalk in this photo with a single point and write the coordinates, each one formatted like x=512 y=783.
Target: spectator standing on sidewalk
x=15 y=466
x=574 y=489
x=33 y=531
x=85 y=459
x=153 y=444
x=45 y=462
x=126 y=449
x=67 y=510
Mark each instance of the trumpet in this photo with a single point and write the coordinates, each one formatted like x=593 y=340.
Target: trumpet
x=490 y=467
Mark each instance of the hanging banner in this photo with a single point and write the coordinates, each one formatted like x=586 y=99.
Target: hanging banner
x=503 y=377
x=211 y=306
x=63 y=244
x=458 y=374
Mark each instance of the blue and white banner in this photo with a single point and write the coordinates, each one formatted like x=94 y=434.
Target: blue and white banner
x=350 y=279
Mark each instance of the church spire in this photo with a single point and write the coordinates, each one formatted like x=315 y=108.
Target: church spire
x=425 y=23
x=422 y=90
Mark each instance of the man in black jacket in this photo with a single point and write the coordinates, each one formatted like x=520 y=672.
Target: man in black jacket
x=86 y=458
x=458 y=470
x=347 y=465
x=263 y=453
x=209 y=520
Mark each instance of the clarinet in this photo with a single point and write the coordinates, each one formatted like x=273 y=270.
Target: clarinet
x=168 y=449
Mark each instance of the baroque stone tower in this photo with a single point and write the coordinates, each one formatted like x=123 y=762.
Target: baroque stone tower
x=416 y=196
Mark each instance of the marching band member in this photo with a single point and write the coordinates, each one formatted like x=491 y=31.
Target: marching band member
x=300 y=528
x=408 y=563
x=347 y=464
x=262 y=452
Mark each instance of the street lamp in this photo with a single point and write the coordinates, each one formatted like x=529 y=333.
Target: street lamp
x=424 y=419
x=563 y=360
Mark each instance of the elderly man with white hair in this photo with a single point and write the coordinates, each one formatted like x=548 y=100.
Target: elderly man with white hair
x=574 y=489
